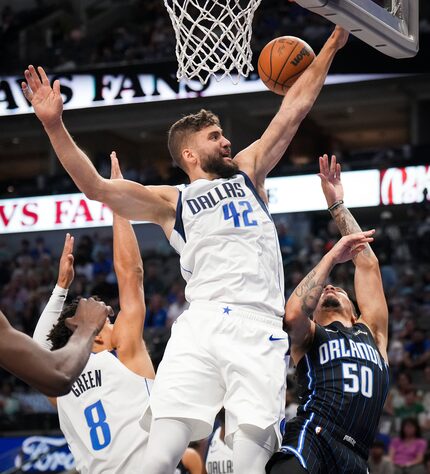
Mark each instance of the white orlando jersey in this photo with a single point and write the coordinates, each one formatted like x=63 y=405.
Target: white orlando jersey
x=100 y=417
x=219 y=459
x=228 y=245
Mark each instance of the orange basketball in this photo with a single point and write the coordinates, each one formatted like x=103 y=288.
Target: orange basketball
x=282 y=61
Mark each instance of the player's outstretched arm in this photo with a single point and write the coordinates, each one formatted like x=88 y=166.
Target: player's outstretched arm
x=263 y=155
x=304 y=299
x=127 y=335
x=53 y=308
x=52 y=373
x=369 y=290
x=129 y=199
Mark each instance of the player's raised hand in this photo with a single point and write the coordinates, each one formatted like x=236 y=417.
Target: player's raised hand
x=66 y=272
x=331 y=183
x=339 y=37
x=46 y=100
x=91 y=314
x=115 y=171
x=350 y=245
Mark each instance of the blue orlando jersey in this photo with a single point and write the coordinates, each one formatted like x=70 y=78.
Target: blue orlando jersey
x=343 y=383
x=228 y=245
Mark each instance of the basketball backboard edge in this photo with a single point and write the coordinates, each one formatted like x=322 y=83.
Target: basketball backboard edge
x=373 y=24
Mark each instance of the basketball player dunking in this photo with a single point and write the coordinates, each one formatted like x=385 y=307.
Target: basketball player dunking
x=221 y=347
x=341 y=358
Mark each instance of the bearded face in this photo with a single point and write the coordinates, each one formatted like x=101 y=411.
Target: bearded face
x=220 y=164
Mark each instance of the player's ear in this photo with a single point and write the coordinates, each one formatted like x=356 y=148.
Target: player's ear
x=189 y=157
x=99 y=338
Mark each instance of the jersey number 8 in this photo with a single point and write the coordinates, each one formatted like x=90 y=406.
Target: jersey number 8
x=99 y=430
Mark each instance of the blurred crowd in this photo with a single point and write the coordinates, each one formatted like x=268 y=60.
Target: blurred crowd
x=63 y=37
x=28 y=275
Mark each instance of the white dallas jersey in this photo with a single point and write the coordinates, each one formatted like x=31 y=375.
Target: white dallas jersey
x=100 y=417
x=219 y=459
x=228 y=245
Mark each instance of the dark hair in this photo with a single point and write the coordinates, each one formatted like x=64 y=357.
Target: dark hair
x=181 y=129
x=378 y=444
x=60 y=334
x=410 y=421
x=405 y=374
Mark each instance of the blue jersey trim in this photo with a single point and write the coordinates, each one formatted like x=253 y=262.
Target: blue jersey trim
x=311 y=383
x=296 y=454
x=251 y=186
x=179 y=223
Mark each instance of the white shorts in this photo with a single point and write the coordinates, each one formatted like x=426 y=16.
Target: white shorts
x=222 y=355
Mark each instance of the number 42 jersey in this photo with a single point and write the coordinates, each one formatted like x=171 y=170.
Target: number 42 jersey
x=100 y=417
x=228 y=245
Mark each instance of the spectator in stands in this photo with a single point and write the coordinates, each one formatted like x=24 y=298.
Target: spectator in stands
x=39 y=249
x=396 y=395
x=156 y=314
x=153 y=284
x=417 y=352
x=9 y=404
x=177 y=307
x=425 y=385
x=412 y=406
x=427 y=462
x=378 y=462
x=286 y=242
x=407 y=451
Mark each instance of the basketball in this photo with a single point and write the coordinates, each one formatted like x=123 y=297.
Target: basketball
x=282 y=61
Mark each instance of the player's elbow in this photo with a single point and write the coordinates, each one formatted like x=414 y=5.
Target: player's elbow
x=59 y=384
x=96 y=191
x=130 y=271
x=292 y=315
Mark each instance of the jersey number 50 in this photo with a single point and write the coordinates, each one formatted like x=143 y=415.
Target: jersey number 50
x=357 y=379
x=99 y=430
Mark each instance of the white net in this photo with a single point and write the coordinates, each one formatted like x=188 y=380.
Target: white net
x=213 y=37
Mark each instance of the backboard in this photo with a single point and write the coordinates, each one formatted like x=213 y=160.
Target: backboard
x=390 y=26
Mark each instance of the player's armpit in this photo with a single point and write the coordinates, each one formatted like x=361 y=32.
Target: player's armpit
x=137 y=202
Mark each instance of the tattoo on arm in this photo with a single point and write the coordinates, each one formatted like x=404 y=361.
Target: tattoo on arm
x=309 y=292
x=347 y=224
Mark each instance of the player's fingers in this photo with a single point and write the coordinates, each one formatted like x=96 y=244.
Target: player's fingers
x=26 y=91
x=323 y=164
x=43 y=76
x=66 y=243
x=34 y=76
x=56 y=87
x=30 y=80
x=326 y=164
x=338 y=171
x=332 y=171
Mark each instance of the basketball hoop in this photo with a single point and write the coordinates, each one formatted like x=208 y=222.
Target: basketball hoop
x=212 y=36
